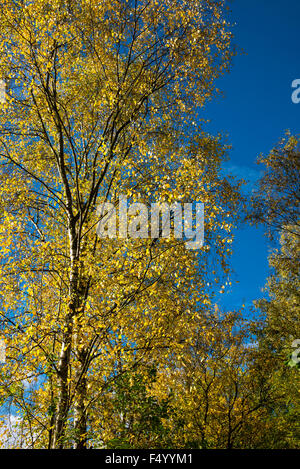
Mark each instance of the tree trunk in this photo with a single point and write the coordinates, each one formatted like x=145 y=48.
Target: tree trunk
x=63 y=386
x=65 y=355
x=80 y=421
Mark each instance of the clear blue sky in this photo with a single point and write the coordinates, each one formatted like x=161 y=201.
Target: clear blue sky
x=256 y=111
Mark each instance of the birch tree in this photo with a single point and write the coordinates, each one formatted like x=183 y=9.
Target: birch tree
x=102 y=98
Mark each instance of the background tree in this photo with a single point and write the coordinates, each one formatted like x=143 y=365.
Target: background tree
x=276 y=204
x=217 y=395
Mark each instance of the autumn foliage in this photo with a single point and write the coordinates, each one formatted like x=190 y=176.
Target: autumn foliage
x=116 y=342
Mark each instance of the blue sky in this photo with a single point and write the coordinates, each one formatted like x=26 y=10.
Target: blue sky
x=255 y=112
